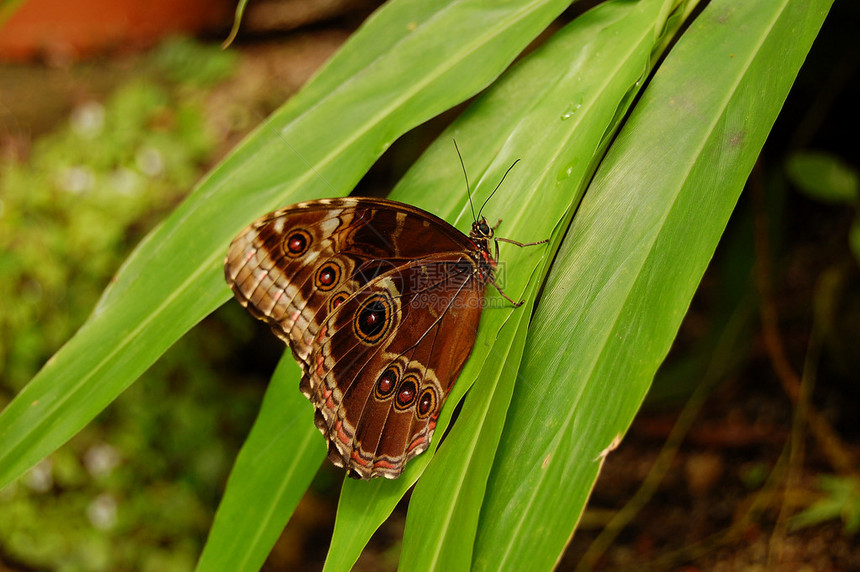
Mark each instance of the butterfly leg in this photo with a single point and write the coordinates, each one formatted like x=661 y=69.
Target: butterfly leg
x=521 y=244
x=506 y=297
x=515 y=243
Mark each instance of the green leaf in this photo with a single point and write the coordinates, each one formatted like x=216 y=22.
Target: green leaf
x=8 y=9
x=443 y=511
x=275 y=466
x=629 y=266
x=617 y=41
x=823 y=177
x=554 y=115
x=841 y=501
x=409 y=62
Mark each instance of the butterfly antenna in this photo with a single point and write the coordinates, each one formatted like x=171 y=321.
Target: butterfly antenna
x=465 y=176
x=497 y=187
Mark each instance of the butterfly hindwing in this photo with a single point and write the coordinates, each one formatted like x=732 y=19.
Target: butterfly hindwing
x=386 y=359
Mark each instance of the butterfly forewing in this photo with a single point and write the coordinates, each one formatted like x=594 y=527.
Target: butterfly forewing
x=379 y=302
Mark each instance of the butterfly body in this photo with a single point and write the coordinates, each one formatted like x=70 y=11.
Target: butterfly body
x=379 y=302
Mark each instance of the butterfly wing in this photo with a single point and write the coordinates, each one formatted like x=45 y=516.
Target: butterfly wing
x=386 y=359
x=293 y=266
x=315 y=270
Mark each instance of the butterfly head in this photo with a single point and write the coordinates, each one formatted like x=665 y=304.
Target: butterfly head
x=481 y=230
x=481 y=234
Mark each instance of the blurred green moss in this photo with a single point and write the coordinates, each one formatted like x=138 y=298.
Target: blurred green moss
x=73 y=210
x=137 y=488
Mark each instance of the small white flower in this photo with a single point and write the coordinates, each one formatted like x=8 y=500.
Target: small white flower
x=77 y=180
x=102 y=512
x=125 y=181
x=40 y=478
x=88 y=120
x=100 y=460
x=150 y=161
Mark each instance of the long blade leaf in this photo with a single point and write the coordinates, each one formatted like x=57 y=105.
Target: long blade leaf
x=627 y=270
x=408 y=63
x=614 y=42
x=275 y=466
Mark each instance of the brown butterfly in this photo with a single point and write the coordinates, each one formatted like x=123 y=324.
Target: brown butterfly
x=379 y=302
